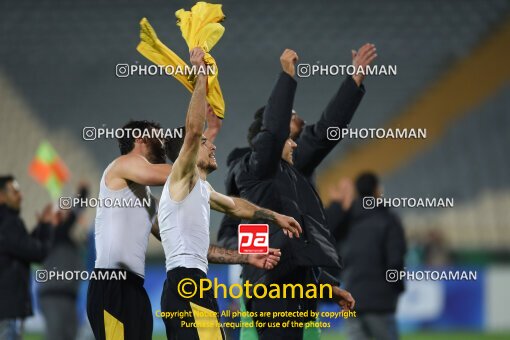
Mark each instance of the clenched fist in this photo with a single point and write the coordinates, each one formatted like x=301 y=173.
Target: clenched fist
x=288 y=60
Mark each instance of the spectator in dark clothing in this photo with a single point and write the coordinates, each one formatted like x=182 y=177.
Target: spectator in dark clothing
x=371 y=242
x=227 y=235
x=341 y=196
x=58 y=298
x=276 y=173
x=18 y=249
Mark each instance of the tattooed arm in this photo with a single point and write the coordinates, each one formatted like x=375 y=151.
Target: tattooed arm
x=241 y=208
x=217 y=254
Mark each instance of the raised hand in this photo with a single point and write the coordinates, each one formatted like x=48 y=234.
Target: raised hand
x=361 y=59
x=213 y=124
x=288 y=59
x=196 y=56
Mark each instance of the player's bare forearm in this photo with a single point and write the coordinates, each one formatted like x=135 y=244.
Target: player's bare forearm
x=247 y=210
x=195 y=118
x=240 y=208
x=217 y=254
x=211 y=134
x=185 y=163
x=139 y=170
x=213 y=124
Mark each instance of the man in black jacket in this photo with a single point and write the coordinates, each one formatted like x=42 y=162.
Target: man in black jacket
x=17 y=250
x=276 y=172
x=372 y=242
x=227 y=235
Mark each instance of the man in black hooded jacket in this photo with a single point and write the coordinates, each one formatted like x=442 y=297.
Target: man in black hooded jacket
x=276 y=172
x=18 y=249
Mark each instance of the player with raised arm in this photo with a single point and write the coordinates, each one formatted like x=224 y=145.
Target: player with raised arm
x=121 y=308
x=184 y=216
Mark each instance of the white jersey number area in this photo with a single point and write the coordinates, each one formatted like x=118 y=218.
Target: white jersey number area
x=253 y=238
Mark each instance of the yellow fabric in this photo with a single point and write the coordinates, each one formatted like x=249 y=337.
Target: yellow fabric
x=114 y=329
x=208 y=326
x=200 y=27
